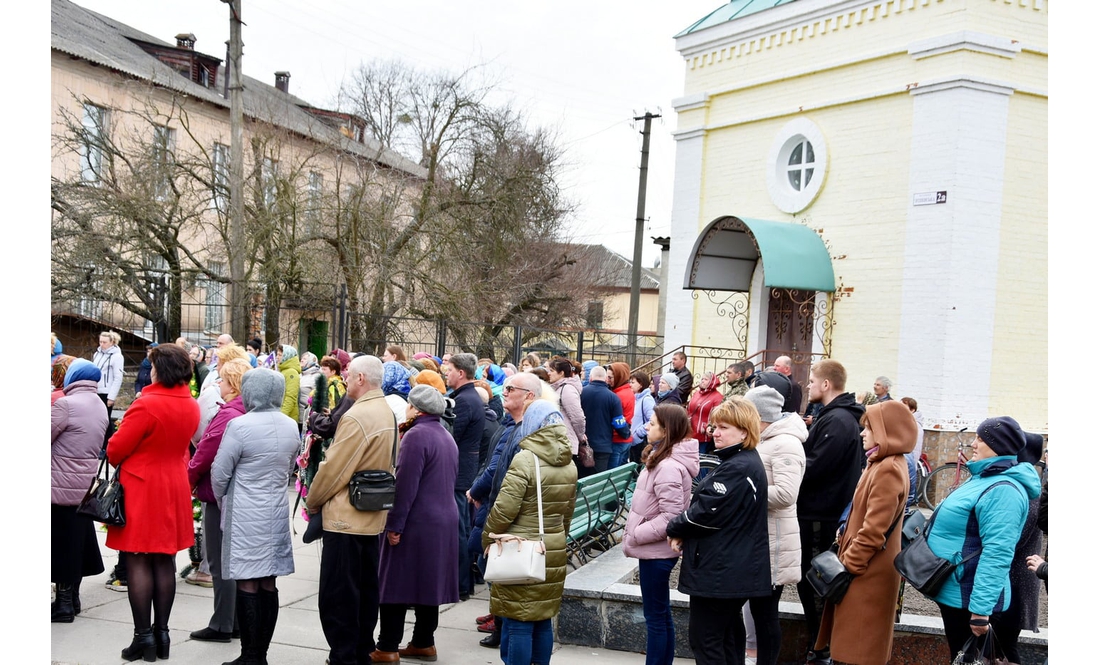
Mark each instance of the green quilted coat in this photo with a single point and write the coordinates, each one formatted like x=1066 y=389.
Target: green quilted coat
x=516 y=512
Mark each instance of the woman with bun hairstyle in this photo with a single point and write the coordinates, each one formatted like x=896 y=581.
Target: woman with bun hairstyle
x=662 y=492
x=860 y=628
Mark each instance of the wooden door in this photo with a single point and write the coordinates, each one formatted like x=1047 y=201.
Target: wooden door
x=791 y=331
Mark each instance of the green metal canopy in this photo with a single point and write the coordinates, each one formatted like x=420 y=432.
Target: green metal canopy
x=730 y=11
x=726 y=252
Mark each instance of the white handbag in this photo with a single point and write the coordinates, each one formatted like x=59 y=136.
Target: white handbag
x=514 y=560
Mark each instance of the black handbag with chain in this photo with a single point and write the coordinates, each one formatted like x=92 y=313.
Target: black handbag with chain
x=104 y=500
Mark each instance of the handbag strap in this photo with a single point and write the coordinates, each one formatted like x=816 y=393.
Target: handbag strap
x=393 y=451
x=932 y=520
x=538 y=492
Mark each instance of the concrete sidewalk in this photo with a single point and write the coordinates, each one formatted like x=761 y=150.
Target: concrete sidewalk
x=104 y=625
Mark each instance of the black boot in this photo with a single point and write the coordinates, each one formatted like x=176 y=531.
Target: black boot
x=144 y=646
x=76 y=598
x=492 y=640
x=269 y=615
x=61 y=611
x=249 y=618
x=164 y=641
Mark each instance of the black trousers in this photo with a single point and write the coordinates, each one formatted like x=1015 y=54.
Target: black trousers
x=956 y=628
x=347 y=596
x=816 y=537
x=392 y=626
x=716 y=630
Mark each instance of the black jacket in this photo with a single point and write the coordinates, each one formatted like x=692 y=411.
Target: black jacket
x=323 y=425
x=686 y=383
x=725 y=530
x=469 y=425
x=834 y=458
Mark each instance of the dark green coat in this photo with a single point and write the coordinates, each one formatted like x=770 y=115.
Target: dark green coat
x=516 y=512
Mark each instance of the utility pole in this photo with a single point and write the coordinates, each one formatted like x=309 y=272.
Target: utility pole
x=240 y=320
x=639 y=229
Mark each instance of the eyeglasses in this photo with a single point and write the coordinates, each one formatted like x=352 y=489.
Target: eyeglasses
x=508 y=389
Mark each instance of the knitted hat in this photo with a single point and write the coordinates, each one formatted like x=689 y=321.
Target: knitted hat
x=671 y=379
x=433 y=379
x=1033 y=448
x=428 y=400
x=768 y=402
x=1003 y=435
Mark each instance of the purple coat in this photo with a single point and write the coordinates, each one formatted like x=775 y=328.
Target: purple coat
x=78 y=422
x=198 y=469
x=423 y=568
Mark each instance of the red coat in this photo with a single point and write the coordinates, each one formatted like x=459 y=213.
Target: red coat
x=626 y=396
x=699 y=407
x=152 y=443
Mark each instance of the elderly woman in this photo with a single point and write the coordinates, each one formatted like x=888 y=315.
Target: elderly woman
x=860 y=629
x=706 y=397
x=77 y=424
x=416 y=563
x=995 y=500
x=781 y=438
x=723 y=535
x=311 y=369
x=668 y=391
x=395 y=386
x=223 y=621
x=249 y=480
x=57 y=375
x=151 y=446
x=527 y=609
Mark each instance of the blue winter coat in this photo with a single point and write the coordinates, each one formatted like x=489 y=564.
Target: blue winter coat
x=603 y=415
x=967 y=520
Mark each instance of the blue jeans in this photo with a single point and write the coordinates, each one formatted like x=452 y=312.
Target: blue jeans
x=620 y=453
x=660 y=643
x=526 y=642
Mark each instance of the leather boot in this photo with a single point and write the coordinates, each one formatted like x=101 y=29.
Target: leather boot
x=269 y=616
x=249 y=618
x=76 y=597
x=492 y=640
x=164 y=641
x=62 y=609
x=144 y=646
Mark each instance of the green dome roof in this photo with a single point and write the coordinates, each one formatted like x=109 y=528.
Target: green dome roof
x=730 y=11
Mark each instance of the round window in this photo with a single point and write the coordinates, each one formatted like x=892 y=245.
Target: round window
x=796 y=165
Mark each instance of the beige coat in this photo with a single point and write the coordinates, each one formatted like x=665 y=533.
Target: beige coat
x=784 y=461
x=364 y=440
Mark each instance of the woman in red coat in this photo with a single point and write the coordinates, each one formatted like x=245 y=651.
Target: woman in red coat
x=151 y=446
x=620 y=384
x=706 y=397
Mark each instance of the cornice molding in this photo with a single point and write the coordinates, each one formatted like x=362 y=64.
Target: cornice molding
x=965 y=40
x=688 y=134
x=964 y=81
x=691 y=102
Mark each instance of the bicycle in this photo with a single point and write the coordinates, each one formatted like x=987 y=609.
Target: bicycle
x=948 y=477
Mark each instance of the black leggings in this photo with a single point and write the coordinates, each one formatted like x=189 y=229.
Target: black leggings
x=151 y=588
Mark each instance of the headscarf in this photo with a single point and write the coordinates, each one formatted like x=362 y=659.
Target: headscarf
x=308 y=359
x=587 y=366
x=60 y=366
x=342 y=357
x=539 y=414
x=82 y=370
x=289 y=352
x=395 y=379
x=56 y=350
x=509 y=369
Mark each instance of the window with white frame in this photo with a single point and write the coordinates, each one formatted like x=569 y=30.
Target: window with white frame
x=220 y=158
x=796 y=165
x=164 y=144
x=316 y=190
x=94 y=139
x=268 y=173
x=216 y=300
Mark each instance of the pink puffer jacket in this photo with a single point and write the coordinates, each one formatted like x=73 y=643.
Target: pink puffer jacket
x=661 y=494
x=78 y=422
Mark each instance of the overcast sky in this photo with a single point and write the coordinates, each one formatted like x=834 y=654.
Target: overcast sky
x=583 y=68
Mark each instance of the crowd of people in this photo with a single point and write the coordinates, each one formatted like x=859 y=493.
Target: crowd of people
x=408 y=469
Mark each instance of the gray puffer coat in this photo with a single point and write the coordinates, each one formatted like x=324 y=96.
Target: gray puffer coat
x=249 y=478
x=77 y=424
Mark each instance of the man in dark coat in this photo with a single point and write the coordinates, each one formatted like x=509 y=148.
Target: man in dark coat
x=687 y=381
x=603 y=417
x=468 y=426
x=793 y=403
x=834 y=454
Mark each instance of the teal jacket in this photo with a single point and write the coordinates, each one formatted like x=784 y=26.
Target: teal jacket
x=968 y=519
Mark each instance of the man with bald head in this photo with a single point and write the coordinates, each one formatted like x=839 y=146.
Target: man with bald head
x=793 y=401
x=347 y=592
x=603 y=416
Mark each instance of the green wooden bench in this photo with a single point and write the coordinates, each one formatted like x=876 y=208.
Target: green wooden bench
x=603 y=500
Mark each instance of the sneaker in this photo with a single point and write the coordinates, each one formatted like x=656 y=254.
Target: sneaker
x=115 y=584
x=199 y=578
x=484 y=618
x=487 y=627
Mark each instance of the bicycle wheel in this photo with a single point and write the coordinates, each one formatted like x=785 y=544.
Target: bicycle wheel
x=707 y=463
x=942 y=482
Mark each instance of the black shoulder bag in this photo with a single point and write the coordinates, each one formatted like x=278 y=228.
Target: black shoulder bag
x=828 y=576
x=375 y=489
x=104 y=500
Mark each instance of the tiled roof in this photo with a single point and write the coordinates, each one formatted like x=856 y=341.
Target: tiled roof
x=730 y=11
x=90 y=36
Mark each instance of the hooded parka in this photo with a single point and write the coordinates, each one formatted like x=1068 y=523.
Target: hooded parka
x=784 y=461
x=516 y=512
x=249 y=479
x=661 y=494
x=860 y=630
x=291 y=369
